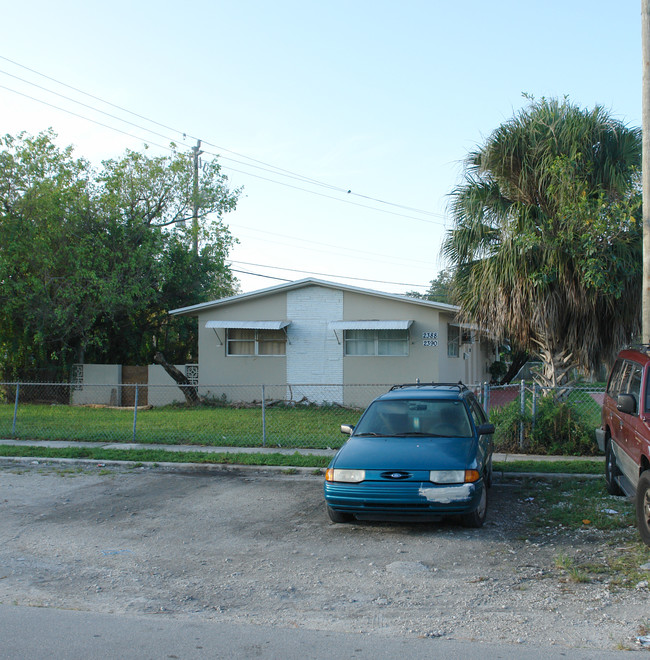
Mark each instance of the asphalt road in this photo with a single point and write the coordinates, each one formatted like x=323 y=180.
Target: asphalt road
x=51 y=634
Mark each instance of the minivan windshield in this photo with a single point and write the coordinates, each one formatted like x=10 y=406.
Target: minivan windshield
x=415 y=417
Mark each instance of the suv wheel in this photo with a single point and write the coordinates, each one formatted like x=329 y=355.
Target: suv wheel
x=643 y=506
x=611 y=470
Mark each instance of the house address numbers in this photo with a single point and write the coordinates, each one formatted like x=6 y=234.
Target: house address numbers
x=430 y=339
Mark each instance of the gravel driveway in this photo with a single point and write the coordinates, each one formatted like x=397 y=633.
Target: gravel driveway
x=257 y=547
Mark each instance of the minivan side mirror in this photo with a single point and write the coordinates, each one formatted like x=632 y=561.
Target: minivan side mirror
x=485 y=429
x=347 y=428
x=626 y=403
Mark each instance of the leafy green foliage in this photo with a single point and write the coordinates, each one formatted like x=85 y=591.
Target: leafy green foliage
x=559 y=429
x=440 y=289
x=546 y=245
x=91 y=263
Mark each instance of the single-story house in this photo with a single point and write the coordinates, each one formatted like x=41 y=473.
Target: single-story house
x=318 y=333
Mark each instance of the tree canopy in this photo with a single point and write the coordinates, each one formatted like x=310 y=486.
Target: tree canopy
x=546 y=243
x=90 y=262
x=440 y=289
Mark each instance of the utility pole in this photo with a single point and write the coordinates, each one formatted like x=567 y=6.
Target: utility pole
x=195 y=198
x=645 y=167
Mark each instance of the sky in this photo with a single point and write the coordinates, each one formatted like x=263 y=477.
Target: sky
x=346 y=122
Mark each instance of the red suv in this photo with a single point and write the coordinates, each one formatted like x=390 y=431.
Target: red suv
x=625 y=432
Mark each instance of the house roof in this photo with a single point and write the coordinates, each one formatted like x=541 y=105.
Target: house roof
x=298 y=284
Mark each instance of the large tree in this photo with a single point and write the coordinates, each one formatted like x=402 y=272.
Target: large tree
x=440 y=289
x=91 y=263
x=546 y=243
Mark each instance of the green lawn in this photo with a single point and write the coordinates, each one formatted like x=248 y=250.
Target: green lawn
x=311 y=427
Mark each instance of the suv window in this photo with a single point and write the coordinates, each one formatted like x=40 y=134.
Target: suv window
x=625 y=378
x=634 y=385
x=614 y=385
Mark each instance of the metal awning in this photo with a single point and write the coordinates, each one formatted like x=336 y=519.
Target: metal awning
x=369 y=325
x=248 y=325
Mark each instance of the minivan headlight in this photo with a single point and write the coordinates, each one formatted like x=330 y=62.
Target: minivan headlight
x=346 y=476
x=453 y=476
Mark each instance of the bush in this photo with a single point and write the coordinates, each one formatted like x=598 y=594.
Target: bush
x=558 y=429
x=506 y=420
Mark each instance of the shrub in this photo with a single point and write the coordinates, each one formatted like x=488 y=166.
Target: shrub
x=561 y=429
x=506 y=420
x=558 y=429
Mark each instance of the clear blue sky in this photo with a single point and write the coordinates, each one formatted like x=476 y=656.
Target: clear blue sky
x=381 y=98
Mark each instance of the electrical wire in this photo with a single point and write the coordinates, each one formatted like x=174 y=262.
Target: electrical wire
x=355 y=250
x=267 y=166
x=309 y=272
x=169 y=148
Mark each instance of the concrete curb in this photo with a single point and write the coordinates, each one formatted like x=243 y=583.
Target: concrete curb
x=236 y=468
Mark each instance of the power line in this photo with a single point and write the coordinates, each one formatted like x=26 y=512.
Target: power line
x=338 y=199
x=355 y=250
x=274 y=169
x=268 y=277
x=309 y=272
x=270 y=168
x=75 y=114
x=169 y=148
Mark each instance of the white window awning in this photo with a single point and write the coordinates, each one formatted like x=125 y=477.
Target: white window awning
x=369 y=325
x=248 y=325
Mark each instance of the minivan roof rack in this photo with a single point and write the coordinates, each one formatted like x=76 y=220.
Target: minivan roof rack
x=461 y=386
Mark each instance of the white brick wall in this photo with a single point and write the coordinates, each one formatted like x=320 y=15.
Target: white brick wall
x=313 y=353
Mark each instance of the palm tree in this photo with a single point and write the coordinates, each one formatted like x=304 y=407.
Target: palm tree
x=546 y=243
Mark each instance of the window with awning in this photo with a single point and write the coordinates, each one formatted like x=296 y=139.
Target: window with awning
x=251 y=338
x=373 y=337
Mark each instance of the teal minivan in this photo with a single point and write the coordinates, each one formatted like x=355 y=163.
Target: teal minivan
x=419 y=452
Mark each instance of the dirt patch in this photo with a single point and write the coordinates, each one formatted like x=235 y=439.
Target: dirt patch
x=259 y=548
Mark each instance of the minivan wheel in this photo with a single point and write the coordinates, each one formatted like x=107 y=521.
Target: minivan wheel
x=477 y=517
x=611 y=471
x=643 y=506
x=339 y=516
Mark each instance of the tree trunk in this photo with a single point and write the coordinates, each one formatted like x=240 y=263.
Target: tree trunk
x=555 y=372
x=519 y=359
x=190 y=392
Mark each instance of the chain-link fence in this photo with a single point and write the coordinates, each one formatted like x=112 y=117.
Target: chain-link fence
x=225 y=415
x=288 y=416
x=547 y=420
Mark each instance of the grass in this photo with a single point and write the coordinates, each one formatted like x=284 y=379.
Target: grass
x=166 y=456
x=568 y=565
x=262 y=458
x=585 y=507
x=308 y=426
x=551 y=467
x=556 y=506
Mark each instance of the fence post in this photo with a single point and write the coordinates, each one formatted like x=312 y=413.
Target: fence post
x=135 y=411
x=486 y=398
x=13 y=428
x=534 y=410
x=522 y=411
x=263 y=418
